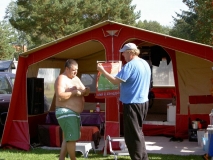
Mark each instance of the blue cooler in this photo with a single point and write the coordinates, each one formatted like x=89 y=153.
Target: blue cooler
x=210 y=139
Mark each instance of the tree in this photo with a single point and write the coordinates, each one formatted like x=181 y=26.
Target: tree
x=184 y=26
x=204 y=24
x=12 y=42
x=153 y=26
x=195 y=24
x=49 y=20
x=7 y=49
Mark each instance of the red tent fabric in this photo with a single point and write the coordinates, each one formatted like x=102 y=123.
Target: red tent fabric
x=111 y=35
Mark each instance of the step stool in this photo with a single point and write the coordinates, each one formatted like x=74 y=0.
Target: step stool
x=117 y=152
x=84 y=147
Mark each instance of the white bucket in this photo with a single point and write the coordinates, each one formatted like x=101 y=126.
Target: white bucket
x=194 y=124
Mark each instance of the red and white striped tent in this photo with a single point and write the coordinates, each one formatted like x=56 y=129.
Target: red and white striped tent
x=192 y=66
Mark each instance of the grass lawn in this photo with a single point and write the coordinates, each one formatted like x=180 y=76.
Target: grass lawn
x=43 y=154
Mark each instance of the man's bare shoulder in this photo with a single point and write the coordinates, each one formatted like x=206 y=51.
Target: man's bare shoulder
x=61 y=80
x=62 y=77
x=77 y=78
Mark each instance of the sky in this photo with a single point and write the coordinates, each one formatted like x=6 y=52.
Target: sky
x=159 y=10
x=151 y=10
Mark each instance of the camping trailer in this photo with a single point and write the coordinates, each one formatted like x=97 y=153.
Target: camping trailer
x=189 y=84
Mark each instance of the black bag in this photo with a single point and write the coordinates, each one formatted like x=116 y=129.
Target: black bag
x=151 y=97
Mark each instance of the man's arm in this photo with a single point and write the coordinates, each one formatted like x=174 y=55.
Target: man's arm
x=85 y=91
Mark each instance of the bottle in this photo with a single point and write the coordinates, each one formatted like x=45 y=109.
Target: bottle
x=97 y=107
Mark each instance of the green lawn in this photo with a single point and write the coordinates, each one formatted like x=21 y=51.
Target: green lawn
x=43 y=154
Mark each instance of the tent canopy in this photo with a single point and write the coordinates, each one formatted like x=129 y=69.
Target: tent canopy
x=102 y=42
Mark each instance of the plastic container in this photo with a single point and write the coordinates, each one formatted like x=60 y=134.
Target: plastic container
x=194 y=125
x=98 y=107
x=210 y=139
x=205 y=143
x=200 y=134
x=211 y=117
x=171 y=113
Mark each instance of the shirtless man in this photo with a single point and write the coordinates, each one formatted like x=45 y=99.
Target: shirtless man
x=70 y=94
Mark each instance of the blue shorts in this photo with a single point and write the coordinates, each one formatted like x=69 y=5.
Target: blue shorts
x=69 y=122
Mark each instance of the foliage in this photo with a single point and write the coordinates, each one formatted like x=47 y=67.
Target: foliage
x=195 y=24
x=204 y=24
x=6 y=42
x=49 y=20
x=153 y=26
x=12 y=42
x=43 y=154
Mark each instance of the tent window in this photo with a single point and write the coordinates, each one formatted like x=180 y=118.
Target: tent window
x=49 y=75
x=89 y=80
x=163 y=75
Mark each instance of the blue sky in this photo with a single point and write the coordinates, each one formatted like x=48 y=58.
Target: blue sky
x=151 y=10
